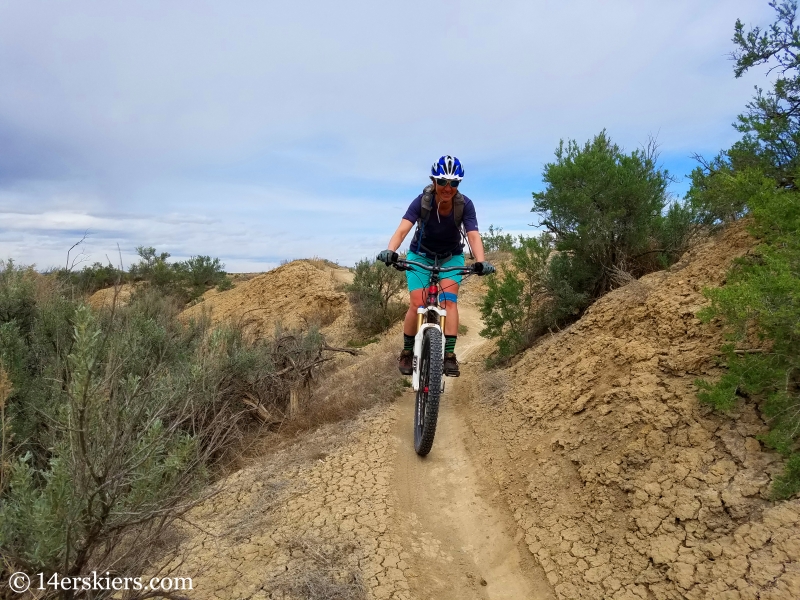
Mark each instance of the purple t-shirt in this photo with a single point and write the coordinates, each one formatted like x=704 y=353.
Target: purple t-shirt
x=440 y=234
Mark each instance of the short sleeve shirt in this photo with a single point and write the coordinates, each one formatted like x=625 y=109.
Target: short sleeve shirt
x=440 y=234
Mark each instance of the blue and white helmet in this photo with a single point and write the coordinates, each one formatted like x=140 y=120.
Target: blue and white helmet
x=448 y=167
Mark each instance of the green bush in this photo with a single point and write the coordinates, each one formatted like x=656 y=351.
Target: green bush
x=720 y=192
x=771 y=123
x=225 y=284
x=372 y=295
x=606 y=213
x=606 y=210
x=186 y=280
x=92 y=278
x=200 y=273
x=760 y=305
x=760 y=302
x=494 y=240
x=528 y=298
x=112 y=421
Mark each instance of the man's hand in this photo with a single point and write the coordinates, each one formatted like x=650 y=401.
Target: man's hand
x=484 y=268
x=388 y=257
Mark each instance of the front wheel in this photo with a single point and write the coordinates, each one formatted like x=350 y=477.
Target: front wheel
x=430 y=387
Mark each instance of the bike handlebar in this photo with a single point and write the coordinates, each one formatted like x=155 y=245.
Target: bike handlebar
x=404 y=265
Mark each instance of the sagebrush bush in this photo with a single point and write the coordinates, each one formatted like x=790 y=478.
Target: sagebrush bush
x=92 y=278
x=760 y=302
x=112 y=421
x=606 y=213
x=721 y=193
x=186 y=280
x=372 y=295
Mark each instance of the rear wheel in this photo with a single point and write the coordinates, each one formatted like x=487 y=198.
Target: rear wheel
x=430 y=387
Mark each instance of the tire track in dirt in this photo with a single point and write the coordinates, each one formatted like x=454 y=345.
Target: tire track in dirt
x=462 y=540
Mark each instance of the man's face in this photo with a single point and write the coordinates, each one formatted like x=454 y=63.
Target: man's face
x=445 y=193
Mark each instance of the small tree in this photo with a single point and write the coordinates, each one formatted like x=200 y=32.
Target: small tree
x=372 y=292
x=184 y=280
x=605 y=209
x=771 y=123
x=200 y=273
x=760 y=303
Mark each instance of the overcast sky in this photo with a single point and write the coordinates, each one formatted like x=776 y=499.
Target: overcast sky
x=270 y=130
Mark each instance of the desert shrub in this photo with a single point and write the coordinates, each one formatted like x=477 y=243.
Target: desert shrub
x=152 y=267
x=720 y=193
x=760 y=306
x=200 y=273
x=770 y=146
x=92 y=278
x=186 y=280
x=17 y=294
x=225 y=284
x=760 y=302
x=112 y=421
x=606 y=213
x=494 y=240
x=771 y=122
x=528 y=298
x=372 y=295
x=606 y=210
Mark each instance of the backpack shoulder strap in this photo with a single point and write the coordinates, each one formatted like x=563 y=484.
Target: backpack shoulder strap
x=458 y=209
x=427 y=204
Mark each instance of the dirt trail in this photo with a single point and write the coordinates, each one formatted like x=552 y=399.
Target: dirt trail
x=458 y=530
x=353 y=512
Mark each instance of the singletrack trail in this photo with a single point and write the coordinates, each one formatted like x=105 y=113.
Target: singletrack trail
x=461 y=538
x=351 y=511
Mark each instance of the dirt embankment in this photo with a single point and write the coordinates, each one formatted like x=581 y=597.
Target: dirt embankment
x=296 y=294
x=624 y=485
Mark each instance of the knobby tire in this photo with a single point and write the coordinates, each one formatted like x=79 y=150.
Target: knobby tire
x=430 y=378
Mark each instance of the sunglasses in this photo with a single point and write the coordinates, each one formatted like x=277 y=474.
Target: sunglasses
x=444 y=182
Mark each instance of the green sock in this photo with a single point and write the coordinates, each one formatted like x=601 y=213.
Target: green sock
x=450 y=343
x=408 y=342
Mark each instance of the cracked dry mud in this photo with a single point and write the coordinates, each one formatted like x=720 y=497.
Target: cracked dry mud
x=359 y=511
x=588 y=469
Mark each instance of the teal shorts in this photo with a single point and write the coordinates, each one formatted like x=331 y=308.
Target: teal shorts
x=418 y=279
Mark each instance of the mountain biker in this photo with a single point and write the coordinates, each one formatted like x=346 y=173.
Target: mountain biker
x=438 y=236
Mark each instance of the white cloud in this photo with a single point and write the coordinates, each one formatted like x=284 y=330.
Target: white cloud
x=293 y=127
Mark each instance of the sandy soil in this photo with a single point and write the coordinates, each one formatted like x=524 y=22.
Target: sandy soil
x=296 y=294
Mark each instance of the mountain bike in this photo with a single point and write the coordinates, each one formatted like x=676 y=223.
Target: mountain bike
x=427 y=364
